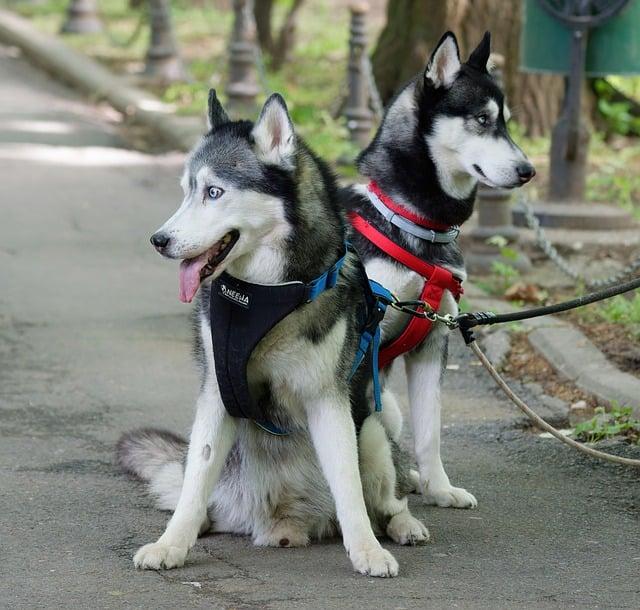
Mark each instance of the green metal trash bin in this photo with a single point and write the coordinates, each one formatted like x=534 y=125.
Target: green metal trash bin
x=613 y=48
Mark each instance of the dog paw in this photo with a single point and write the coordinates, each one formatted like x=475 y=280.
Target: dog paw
x=374 y=561
x=159 y=556
x=404 y=528
x=455 y=497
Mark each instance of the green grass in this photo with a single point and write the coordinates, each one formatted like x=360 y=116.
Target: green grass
x=534 y=147
x=622 y=310
x=630 y=86
x=619 y=422
x=617 y=178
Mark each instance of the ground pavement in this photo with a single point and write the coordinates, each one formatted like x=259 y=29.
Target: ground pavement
x=93 y=341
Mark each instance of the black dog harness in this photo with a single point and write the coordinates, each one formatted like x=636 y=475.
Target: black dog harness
x=242 y=313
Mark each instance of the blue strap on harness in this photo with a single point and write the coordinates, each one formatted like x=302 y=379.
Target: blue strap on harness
x=371 y=338
x=327 y=280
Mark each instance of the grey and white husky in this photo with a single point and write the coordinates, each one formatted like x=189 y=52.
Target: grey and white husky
x=259 y=205
x=443 y=133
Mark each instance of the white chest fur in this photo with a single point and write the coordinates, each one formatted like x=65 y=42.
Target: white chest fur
x=405 y=285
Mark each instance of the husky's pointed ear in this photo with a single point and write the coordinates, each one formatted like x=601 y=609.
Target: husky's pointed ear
x=216 y=115
x=273 y=133
x=480 y=56
x=444 y=63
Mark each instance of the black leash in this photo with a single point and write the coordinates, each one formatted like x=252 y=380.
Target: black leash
x=467 y=321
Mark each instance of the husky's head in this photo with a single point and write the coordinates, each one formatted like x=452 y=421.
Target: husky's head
x=234 y=183
x=449 y=124
x=467 y=117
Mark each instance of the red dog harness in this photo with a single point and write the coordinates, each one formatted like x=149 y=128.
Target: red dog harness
x=436 y=279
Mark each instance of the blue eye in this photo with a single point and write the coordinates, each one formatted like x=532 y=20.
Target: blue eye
x=482 y=119
x=215 y=192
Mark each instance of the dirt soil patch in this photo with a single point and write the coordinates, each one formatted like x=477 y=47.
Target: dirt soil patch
x=618 y=341
x=614 y=341
x=525 y=364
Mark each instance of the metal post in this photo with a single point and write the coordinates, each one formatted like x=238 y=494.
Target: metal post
x=357 y=112
x=82 y=18
x=494 y=215
x=163 y=62
x=570 y=137
x=565 y=207
x=242 y=87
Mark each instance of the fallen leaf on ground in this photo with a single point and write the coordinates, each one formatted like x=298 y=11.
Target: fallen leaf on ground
x=529 y=293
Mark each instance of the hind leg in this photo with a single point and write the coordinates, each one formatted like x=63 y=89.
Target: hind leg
x=424 y=374
x=391 y=416
x=380 y=484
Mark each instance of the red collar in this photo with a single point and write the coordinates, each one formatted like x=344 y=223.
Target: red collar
x=431 y=273
x=402 y=211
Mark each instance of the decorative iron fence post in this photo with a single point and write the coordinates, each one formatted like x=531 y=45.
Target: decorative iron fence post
x=494 y=216
x=163 y=62
x=82 y=18
x=242 y=87
x=357 y=112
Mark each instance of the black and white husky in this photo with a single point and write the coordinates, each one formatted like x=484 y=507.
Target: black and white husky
x=260 y=206
x=443 y=133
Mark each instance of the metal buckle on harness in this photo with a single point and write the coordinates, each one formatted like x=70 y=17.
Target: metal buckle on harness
x=422 y=309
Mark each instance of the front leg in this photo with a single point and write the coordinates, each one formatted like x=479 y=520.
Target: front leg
x=212 y=436
x=334 y=438
x=425 y=367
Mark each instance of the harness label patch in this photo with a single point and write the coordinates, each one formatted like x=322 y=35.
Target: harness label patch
x=238 y=298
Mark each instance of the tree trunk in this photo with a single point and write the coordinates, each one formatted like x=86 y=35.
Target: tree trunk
x=262 y=11
x=287 y=36
x=415 y=26
x=277 y=44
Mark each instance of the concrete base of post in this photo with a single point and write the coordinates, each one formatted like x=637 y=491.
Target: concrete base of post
x=241 y=100
x=164 y=69
x=494 y=220
x=583 y=216
x=82 y=18
x=479 y=259
x=359 y=123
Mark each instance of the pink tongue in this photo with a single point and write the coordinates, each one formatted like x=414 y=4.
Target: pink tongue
x=190 y=277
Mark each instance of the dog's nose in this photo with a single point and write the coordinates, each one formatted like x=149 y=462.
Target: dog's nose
x=526 y=171
x=160 y=240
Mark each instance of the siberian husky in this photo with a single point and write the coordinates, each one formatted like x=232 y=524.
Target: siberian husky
x=260 y=207
x=443 y=133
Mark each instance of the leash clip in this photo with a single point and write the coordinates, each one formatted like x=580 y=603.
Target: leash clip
x=448 y=320
x=433 y=316
x=422 y=309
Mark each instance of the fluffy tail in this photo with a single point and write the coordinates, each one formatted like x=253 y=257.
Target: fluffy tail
x=156 y=457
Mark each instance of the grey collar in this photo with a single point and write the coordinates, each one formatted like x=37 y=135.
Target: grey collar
x=435 y=237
